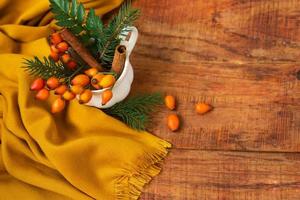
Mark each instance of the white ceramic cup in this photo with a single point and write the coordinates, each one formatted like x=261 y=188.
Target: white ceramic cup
x=122 y=86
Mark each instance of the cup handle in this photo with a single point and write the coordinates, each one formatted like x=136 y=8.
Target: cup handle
x=132 y=40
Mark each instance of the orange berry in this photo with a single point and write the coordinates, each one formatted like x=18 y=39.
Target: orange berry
x=58 y=105
x=62 y=47
x=77 y=89
x=54 y=49
x=54 y=56
x=85 y=96
x=97 y=78
x=173 y=122
x=55 y=38
x=170 y=102
x=106 y=96
x=107 y=81
x=42 y=94
x=91 y=72
x=37 y=84
x=60 y=90
x=66 y=58
x=72 y=64
x=53 y=83
x=68 y=95
x=81 y=79
x=96 y=86
x=202 y=108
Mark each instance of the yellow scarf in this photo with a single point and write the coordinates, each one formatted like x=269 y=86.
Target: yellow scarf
x=78 y=154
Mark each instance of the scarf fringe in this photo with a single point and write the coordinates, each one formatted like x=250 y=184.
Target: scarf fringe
x=129 y=186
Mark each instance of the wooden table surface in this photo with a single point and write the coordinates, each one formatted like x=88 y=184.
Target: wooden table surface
x=241 y=56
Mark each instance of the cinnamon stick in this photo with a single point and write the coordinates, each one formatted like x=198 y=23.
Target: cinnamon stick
x=80 y=49
x=119 y=59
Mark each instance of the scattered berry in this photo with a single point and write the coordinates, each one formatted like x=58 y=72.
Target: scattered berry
x=170 y=102
x=202 y=108
x=173 y=122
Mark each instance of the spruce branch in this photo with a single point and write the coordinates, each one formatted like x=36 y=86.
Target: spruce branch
x=107 y=45
x=45 y=69
x=94 y=24
x=135 y=111
x=69 y=16
x=89 y=27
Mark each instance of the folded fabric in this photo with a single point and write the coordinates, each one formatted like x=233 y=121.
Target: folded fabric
x=80 y=153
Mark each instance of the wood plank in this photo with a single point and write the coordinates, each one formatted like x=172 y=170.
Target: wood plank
x=243 y=58
x=257 y=107
x=195 y=175
x=205 y=51
x=220 y=30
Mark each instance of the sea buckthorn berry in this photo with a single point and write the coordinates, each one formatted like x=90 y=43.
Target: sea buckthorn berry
x=170 y=102
x=202 y=108
x=60 y=90
x=106 y=96
x=37 y=84
x=58 y=105
x=65 y=58
x=85 y=96
x=72 y=64
x=54 y=49
x=91 y=72
x=77 y=89
x=107 y=81
x=97 y=78
x=68 y=95
x=42 y=94
x=55 y=38
x=81 y=79
x=173 y=122
x=54 y=56
x=62 y=47
x=53 y=83
x=96 y=86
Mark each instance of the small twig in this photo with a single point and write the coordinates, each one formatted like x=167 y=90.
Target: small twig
x=80 y=49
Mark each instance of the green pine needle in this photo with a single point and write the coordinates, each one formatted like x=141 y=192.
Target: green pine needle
x=110 y=38
x=135 y=111
x=69 y=17
x=45 y=69
x=72 y=15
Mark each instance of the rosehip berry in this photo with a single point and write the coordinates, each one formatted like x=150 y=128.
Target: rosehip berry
x=62 y=47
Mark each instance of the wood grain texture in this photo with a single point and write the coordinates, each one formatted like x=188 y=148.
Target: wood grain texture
x=256 y=98
x=220 y=30
x=256 y=107
x=243 y=57
x=207 y=175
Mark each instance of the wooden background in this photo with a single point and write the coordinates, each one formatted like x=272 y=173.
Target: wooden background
x=241 y=56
